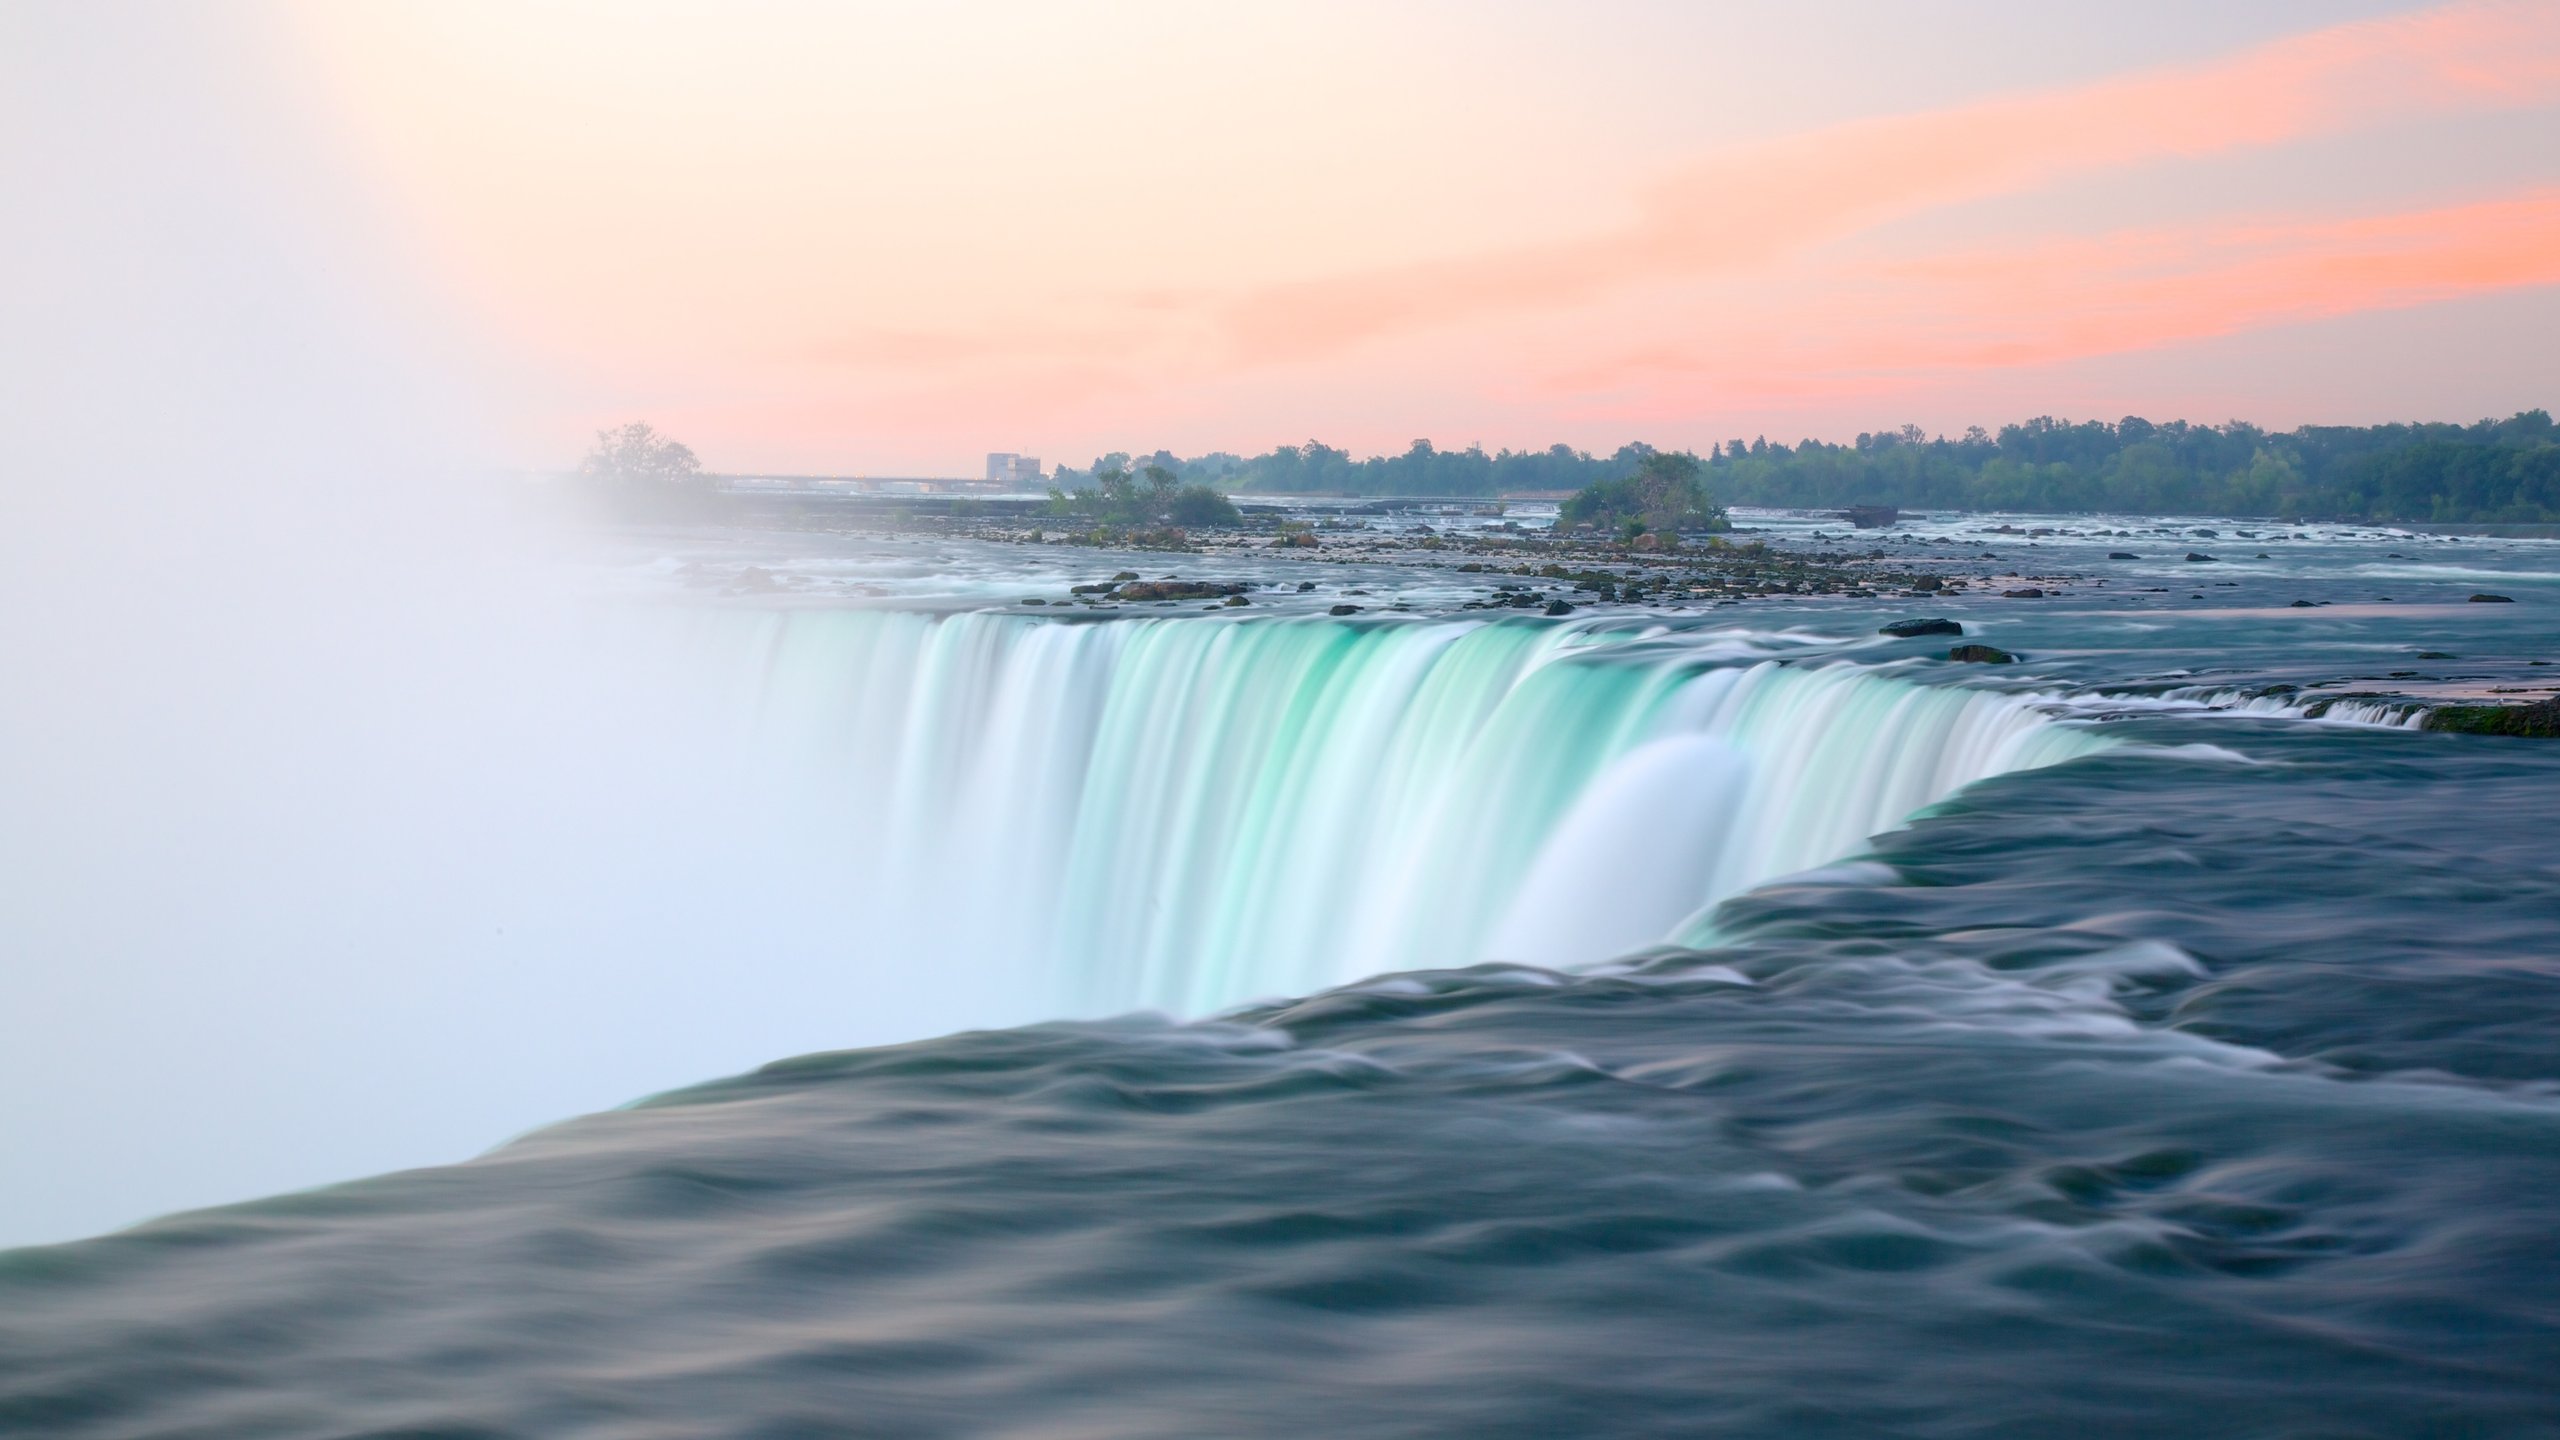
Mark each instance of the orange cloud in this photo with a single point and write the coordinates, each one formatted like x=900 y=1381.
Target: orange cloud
x=1756 y=204
x=2067 y=298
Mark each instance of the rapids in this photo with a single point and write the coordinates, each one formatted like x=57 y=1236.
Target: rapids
x=1639 y=1023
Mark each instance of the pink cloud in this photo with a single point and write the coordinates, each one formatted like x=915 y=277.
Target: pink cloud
x=2066 y=298
x=1753 y=205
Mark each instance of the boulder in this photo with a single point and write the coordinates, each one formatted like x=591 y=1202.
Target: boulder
x=2539 y=720
x=1344 y=610
x=2028 y=593
x=1559 y=607
x=1180 y=589
x=2486 y=599
x=1905 y=629
x=2198 y=557
x=1982 y=655
x=2122 y=555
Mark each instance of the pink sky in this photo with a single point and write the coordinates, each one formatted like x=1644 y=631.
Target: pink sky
x=889 y=238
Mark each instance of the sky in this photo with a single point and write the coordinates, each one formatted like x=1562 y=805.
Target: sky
x=886 y=238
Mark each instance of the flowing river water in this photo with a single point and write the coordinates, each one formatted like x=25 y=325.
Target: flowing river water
x=1697 y=1020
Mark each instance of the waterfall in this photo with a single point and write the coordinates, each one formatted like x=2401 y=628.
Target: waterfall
x=1186 y=814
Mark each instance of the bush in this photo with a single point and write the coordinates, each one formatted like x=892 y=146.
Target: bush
x=1198 y=506
x=1664 y=496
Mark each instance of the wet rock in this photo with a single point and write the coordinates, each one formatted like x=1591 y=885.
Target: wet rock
x=2027 y=593
x=1928 y=582
x=2487 y=599
x=1124 y=575
x=2539 y=720
x=1344 y=610
x=1305 y=585
x=1034 y=600
x=1982 y=655
x=1559 y=607
x=1180 y=589
x=1905 y=629
x=2122 y=555
x=2300 y=605
x=2198 y=557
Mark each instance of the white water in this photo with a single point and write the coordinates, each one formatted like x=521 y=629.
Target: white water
x=1187 y=814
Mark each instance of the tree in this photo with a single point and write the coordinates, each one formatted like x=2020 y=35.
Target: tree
x=635 y=455
x=1196 y=507
x=1664 y=496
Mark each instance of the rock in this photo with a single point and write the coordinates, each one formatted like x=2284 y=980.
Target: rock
x=1124 y=575
x=1982 y=655
x=2300 y=605
x=1295 y=540
x=1872 y=517
x=2487 y=599
x=1305 y=585
x=1905 y=629
x=2437 y=655
x=1099 y=587
x=1559 y=607
x=1344 y=610
x=2029 y=593
x=1034 y=600
x=2198 y=557
x=2122 y=555
x=1180 y=589
x=1235 y=600
x=2539 y=720
x=1928 y=582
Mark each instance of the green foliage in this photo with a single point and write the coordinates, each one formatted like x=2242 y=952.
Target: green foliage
x=2493 y=471
x=637 y=456
x=1665 y=495
x=1118 y=497
x=1198 y=507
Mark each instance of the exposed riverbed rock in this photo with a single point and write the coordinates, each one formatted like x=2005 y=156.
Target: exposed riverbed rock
x=2539 y=720
x=1982 y=655
x=2486 y=599
x=1180 y=589
x=1905 y=629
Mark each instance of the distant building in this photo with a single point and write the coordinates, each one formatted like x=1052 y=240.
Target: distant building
x=1010 y=469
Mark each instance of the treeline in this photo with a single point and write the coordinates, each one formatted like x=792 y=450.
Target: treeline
x=2493 y=471
x=1319 y=469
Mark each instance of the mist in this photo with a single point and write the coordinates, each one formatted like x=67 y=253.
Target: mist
x=348 y=827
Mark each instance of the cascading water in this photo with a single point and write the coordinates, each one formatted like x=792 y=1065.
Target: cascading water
x=1183 y=815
